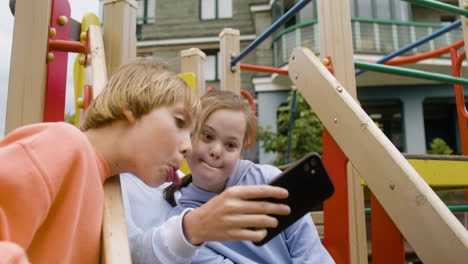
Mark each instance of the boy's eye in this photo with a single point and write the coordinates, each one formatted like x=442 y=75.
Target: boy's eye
x=180 y=122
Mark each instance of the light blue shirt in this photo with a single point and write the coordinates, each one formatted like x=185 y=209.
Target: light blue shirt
x=299 y=243
x=152 y=238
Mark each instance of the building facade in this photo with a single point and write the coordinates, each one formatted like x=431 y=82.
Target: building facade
x=412 y=111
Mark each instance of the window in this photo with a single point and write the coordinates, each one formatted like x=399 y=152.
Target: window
x=381 y=9
x=440 y=121
x=215 y=9
x=146 y=12
x=212 y=71
x=387 y=115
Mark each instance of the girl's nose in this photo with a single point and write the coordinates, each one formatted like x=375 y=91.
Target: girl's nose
x=215 y=151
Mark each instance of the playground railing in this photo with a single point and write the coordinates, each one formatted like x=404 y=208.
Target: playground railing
x=370 y=36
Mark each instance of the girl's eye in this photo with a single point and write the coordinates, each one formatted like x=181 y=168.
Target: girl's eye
x=207 y=137
x=180 y=122
x=231 y=146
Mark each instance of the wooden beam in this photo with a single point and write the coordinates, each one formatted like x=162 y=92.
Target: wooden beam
x=115 y=248
x=98 y=60
x=229 y=47
x=357 y=224
x=27 y=81
x=193 y=60
x=119 y=32
x=336 y=42
x=427 y=224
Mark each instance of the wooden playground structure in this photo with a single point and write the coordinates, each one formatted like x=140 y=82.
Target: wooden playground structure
x=403 y=201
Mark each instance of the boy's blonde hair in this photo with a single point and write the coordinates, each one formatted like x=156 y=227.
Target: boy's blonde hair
x=140 y=86
x=216 y=100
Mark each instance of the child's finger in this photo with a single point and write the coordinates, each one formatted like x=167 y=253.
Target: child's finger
x=261 y=207
x=257 y=191
x=254 y=221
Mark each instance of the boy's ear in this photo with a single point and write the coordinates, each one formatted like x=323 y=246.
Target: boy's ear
x=129 y=116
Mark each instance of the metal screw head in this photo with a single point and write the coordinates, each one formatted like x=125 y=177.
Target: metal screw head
x=233 y=68
x=233 y=55
x=335 y=120
x=312 y=171
x=296 y=77
x=52 y=32
x=293 y=57
x=80 y=103
x=392 y=186
x=339 y=89
x=325 y=61
x=50 y=57
x=62 y=20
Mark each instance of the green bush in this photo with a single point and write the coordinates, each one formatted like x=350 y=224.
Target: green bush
x=439 y=147
x=306 y=132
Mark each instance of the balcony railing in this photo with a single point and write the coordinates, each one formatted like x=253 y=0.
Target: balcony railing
x=370 y=36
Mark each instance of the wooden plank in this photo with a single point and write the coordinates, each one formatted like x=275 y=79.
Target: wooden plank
x=317 y=216
x=193 y=60
x=336 y=37
x=229 y=47
x=440 y=237
x=115 y=247
x=27 y=81
x=119 y=32
x=336 y=42
x=98 y=60
x=357 y=216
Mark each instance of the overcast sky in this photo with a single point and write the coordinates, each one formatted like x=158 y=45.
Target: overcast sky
x=78 y=8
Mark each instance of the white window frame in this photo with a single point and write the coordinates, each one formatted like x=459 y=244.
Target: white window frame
x=216 y=12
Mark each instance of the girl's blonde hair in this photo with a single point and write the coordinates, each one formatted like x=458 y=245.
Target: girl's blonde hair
x=140 y=86
x=211 y=102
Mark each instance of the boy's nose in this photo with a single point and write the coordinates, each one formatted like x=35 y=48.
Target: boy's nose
x=186 y=145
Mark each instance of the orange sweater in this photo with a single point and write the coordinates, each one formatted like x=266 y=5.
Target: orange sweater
x=51 y=195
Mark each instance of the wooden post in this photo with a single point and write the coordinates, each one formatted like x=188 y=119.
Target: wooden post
x=405 y=196
x=27 y=81
x=336 y=41
x=98 y=60
x=115 y=248
x=119 y=32
x=229 y=47
x=193 y=60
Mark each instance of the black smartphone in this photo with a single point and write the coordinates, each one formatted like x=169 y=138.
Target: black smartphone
x=308 y=185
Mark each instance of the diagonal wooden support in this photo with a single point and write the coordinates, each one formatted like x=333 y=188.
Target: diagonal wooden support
x=427 y=224
x=115 y=247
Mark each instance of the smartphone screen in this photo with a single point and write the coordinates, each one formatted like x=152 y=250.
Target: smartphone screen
x=308 y=185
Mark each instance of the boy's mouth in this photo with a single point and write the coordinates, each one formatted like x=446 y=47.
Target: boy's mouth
x=172 y=176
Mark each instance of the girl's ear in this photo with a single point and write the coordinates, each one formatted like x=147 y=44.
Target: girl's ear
x=129 y=116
